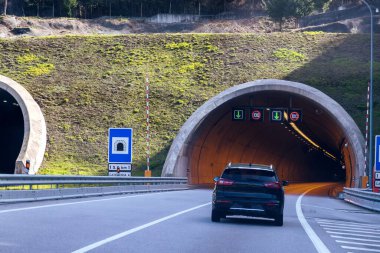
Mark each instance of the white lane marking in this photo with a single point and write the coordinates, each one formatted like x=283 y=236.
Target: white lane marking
x=341 y=233
x=355 y=239
x=346 y=223
x=133 y=230
x=363 y=249
x=320 y=207
x=74 y=203
x=349 y=225
x=358 y=243
x=362 y=228
x=351 y=230
x=318 y=244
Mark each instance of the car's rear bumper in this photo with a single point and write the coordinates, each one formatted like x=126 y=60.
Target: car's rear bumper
x=260 y=208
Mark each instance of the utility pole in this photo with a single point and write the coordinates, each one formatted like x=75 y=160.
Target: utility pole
x=5 y=7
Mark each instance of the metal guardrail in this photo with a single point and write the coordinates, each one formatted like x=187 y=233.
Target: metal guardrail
x=16 y=188
x=363 y=198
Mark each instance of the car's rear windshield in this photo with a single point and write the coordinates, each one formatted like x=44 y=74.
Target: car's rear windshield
x=249 y=175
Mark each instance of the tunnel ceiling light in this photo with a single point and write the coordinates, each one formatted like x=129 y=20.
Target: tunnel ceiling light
x=5 y=101
x=286 y=116
x=312 y=142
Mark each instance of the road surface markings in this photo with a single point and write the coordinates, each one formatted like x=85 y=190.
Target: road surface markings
x=318 y=244
x=74 y=203
x=360 y=237
x=134 y=230
x=361 y=249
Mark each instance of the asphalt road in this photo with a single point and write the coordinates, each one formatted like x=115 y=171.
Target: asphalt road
x=180 y=222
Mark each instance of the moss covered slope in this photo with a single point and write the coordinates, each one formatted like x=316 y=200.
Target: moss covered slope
x=86 y=84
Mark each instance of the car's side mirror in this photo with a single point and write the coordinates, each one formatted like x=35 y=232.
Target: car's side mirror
x=285 y=183
x=216 y=179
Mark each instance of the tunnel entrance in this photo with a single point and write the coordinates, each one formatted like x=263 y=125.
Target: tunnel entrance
x=22 y=130
x=323 y=145
x=11 y=132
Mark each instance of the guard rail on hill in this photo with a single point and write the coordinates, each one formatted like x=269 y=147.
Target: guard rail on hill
x=15 y=188
x=363 y=198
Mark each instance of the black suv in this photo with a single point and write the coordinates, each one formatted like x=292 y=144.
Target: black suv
x=248 y=190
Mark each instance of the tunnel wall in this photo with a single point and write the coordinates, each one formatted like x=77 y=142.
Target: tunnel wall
x=178 y=161
x=34 y=140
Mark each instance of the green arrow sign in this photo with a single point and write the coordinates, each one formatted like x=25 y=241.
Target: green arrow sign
x=238 y=114
x=276 y=115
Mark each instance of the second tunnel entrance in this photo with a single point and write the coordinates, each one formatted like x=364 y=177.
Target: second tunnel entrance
x=325 y=146
x=11 y=132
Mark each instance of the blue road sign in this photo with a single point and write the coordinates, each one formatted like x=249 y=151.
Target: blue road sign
x=377 y=153
x=120 y=145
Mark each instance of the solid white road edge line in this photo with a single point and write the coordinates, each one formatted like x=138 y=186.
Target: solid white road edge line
x=75 y=203
x=133 y=230
x=318 y=244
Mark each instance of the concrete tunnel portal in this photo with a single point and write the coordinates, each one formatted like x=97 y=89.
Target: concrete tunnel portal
x=326 y=145
x=22 y=130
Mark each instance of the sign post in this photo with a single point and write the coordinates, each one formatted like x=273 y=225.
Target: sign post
x=120 y=151
x=376 y=177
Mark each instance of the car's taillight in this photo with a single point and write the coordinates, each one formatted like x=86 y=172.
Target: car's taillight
x=224 y=182
x=273 y=185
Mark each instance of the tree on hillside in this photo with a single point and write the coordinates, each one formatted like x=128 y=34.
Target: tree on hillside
x=70 y=6
x=302 y=8
x=279 y=10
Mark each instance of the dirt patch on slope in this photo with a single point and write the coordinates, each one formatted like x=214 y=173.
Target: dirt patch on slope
x=11 y=26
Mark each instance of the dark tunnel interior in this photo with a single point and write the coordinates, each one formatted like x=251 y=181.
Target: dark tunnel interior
x=11 y=132
x=306 y=151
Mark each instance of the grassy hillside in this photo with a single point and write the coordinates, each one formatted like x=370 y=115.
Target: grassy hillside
x=86 y=84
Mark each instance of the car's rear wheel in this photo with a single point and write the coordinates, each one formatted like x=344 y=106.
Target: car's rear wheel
x=279 y=220
x=215 y=216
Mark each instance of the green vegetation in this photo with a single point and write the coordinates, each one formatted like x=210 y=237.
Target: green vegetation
x=87 y=84
x=289 y=55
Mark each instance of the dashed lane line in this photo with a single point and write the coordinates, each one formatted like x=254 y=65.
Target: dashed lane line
x=134 y=230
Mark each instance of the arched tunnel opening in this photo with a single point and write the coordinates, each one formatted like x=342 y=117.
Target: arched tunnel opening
x=309 y=150
x=323 y=144
x=11 y=132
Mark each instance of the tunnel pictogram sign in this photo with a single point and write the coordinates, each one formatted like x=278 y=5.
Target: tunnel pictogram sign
x=119 y=151
x=257 y=114
x=238 y=114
